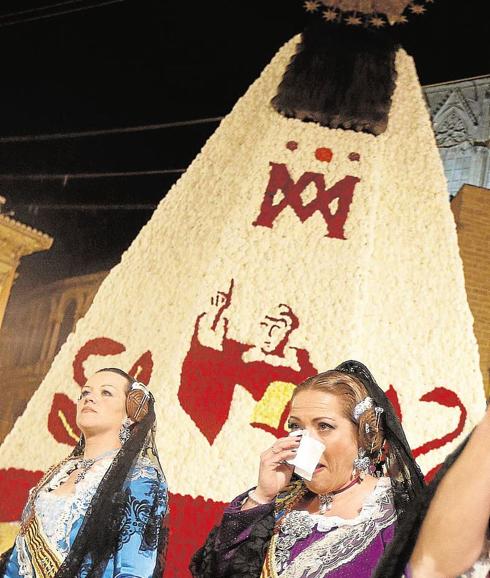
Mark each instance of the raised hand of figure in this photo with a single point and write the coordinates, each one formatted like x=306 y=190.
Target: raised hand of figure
x=274 y=473
x=219 y=303
x=212 y=325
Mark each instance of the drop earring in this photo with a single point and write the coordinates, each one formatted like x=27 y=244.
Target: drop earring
x=362 y=464
x=125 y=431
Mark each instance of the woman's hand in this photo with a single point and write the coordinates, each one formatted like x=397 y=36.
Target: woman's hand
x=274 y=473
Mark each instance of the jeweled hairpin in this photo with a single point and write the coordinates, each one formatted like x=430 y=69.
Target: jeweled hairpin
x=378 y=411
x=361 y=407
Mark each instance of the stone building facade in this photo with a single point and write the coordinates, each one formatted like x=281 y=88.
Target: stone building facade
x=460 y=112
x=16 y=241
x=35 y=327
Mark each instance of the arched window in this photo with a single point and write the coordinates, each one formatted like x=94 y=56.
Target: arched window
x=452 y=135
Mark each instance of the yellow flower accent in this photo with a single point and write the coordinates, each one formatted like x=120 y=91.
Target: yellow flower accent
x=269 y=409
x=67 y=426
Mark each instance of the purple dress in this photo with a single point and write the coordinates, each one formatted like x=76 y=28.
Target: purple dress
x=316 y=546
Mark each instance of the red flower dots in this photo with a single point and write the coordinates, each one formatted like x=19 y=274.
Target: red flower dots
x=292 y=145
x=324 y=154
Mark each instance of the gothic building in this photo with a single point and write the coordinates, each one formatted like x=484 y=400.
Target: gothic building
x=460 y=112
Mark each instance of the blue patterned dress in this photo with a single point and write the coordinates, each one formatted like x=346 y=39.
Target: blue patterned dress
x=61 y=517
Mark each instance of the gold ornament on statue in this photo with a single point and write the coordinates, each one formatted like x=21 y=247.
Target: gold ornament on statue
x=374 y=13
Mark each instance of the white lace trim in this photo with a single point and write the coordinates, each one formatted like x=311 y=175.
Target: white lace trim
x=58 y=528
x=370 y=504
x=76 y=505
x=51 y=509
x=23 y=560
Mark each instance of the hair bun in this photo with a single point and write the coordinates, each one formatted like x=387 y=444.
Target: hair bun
x=137 y=402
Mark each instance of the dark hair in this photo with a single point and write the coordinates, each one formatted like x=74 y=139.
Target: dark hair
x=4 y=558
x=340 y=77
x=120 y=372
x=289 y=313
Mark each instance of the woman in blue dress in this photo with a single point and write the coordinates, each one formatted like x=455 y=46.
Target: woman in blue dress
x=101 y=511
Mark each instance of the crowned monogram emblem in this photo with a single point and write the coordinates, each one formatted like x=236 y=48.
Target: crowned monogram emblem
x=332 y=202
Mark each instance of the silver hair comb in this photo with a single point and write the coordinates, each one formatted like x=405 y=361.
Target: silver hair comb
x=361 y=407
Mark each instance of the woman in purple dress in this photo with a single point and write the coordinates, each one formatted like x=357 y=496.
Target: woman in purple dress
x=338 y=524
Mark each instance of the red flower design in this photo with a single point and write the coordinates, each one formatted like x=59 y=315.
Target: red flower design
x=62 y=420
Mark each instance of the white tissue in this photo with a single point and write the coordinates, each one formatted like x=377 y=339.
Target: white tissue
x=309 y=453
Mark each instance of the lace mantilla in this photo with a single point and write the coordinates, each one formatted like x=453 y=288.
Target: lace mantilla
x=344 y=538
x=145 y=468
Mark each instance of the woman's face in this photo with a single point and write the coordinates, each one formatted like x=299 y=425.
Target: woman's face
x=101 y=407
x=321 y=414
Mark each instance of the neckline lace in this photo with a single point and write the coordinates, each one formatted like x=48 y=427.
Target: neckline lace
x=326 y=523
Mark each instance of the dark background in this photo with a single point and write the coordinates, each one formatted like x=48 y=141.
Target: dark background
x=145 y=62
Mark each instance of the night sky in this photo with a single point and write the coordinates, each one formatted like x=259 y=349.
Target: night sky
x=141 y=62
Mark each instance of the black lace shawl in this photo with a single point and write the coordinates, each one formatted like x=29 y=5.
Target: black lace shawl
x=215 y=559
x=4 y=558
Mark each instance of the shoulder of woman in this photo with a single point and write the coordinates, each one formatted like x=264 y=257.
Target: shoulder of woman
x=147 y=487
x=146 y=471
